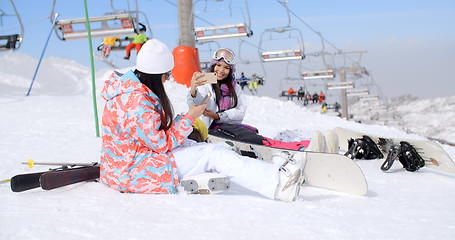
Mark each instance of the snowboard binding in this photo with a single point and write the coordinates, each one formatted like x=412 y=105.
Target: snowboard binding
x=363 y=148
x=406 y=154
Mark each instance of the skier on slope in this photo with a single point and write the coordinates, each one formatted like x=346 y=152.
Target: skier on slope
x=141 y=138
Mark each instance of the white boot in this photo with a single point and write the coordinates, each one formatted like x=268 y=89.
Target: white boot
x=205 y=183
x=291 y=177
x=332 y=142
x=318 y=143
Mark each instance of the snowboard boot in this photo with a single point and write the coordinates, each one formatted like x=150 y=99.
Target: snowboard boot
x=205 y=183
x=332 y=142
x=291 y=177
x=318 y=143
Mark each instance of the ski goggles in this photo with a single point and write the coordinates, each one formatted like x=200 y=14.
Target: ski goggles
x=226 y=54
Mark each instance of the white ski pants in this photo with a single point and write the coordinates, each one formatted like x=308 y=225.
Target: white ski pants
x=255 y=175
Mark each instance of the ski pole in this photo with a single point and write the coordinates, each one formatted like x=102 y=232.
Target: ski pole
x=31 y=163
x=5 y=181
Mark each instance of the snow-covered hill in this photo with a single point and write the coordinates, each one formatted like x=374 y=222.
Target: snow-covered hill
x=432 y=118
x=56 y=124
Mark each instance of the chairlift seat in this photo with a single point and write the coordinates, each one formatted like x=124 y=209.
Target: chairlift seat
x=204 y=34
x=318 y=75
x=369 y=98
x=69 y=31
x=340 y=85
x=282 y=55
x=357 y=92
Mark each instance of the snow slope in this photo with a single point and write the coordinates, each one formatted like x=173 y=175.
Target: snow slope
x=56 y=124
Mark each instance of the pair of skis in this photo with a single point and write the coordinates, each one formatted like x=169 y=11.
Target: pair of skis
x=68 y=173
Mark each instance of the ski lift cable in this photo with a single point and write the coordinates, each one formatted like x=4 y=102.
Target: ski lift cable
x=27 y=24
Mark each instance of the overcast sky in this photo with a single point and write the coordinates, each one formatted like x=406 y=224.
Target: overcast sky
x=409 y=45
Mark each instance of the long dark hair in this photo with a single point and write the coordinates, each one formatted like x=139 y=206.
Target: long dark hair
x=228 y=81
x=154 y=83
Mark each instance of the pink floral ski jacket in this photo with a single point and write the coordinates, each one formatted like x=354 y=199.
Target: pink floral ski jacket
x=136 y=155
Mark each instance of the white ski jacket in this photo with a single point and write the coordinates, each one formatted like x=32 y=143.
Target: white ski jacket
x=232 y=115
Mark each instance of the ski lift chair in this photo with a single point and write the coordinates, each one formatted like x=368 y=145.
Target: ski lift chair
x=356 y=92
x=284 y=54
x=369 y=98
x=328 y=74
x=213 y=33
x=230 y=31
x=12 y=41
x=340 y=85
x=75 y=29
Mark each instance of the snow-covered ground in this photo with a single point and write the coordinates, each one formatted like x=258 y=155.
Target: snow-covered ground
x=56 y=124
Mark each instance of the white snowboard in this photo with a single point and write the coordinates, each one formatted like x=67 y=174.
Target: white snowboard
x=434 y=155
x=325 y=170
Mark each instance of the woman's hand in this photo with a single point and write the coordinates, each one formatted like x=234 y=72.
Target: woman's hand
x=196 y=81
x=211 y=114
x=197 y=110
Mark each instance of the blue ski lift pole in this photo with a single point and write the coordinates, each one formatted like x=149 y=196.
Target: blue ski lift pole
x=95 y=107
x=42 y=54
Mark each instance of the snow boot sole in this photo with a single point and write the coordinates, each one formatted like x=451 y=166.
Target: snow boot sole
x=205 y=183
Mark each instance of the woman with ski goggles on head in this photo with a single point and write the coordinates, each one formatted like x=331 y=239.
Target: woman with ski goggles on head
x=226 y=103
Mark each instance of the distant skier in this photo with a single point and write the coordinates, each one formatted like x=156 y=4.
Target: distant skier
x=242 y=81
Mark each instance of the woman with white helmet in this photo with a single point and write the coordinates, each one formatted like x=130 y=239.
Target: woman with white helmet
x=140 y=134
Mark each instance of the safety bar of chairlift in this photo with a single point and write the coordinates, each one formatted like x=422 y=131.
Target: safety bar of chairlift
x=95 y=19
x=282 y=55
x=369 y=98
x=379 y=109
x=340 y=85
x=221 y=32
x=98 y=34
x=318 y=74
x=357 y=92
